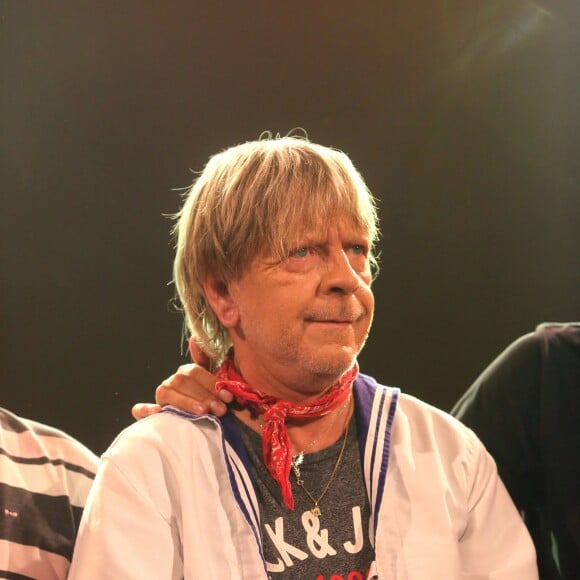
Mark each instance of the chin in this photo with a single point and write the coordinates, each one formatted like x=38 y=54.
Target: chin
x=333 y=364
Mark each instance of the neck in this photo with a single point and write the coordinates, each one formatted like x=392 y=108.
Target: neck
x=306 y=435
x=295 y=386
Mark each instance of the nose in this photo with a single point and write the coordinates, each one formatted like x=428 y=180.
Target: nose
x=340 y=277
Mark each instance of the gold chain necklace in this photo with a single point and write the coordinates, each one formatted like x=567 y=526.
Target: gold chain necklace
x=315 y=509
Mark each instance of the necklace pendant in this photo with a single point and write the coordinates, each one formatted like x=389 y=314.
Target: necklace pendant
x=295 y=463
x=297 y=459
x=315 y=511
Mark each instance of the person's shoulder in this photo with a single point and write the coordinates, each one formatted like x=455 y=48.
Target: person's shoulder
x=568 y=332
x=558 y=327
x=559 y=345
x=170 y=443
x=454 y=446
x=545 y=336
x=421 y=411
x=423 y=418
x=405 y=402
x=426 y=427
x=30 y=439
x=158 y=432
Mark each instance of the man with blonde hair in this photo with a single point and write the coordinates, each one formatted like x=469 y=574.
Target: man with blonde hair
x=316 y=471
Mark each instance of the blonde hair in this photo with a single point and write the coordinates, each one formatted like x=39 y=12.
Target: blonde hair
x=260 y=196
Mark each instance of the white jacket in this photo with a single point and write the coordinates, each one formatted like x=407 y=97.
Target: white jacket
x=173 y=499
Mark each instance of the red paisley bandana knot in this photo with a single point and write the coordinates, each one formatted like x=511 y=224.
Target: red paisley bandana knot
x=276 y=445
x=277 y=412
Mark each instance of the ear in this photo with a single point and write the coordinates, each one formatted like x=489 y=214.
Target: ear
x=221 y=301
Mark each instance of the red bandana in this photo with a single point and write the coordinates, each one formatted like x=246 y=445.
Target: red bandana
x=276 y=446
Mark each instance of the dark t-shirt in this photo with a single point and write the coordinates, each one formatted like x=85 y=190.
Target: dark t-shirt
x=297 y=544
x=525 y=407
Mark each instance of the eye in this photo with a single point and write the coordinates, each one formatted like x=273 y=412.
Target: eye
x=359 y=249
x=300 y=252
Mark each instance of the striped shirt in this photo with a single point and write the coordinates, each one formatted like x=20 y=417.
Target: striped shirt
x=45 y=476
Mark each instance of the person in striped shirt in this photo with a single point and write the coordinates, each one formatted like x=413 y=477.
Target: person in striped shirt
x=45 y=477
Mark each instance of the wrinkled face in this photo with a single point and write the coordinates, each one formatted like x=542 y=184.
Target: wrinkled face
x=298 y=324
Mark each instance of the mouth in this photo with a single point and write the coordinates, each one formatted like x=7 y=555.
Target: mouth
x=338 y=314
x=341 y=319
x=330 y=321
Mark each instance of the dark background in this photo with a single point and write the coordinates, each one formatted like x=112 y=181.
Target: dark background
x=463 y=117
